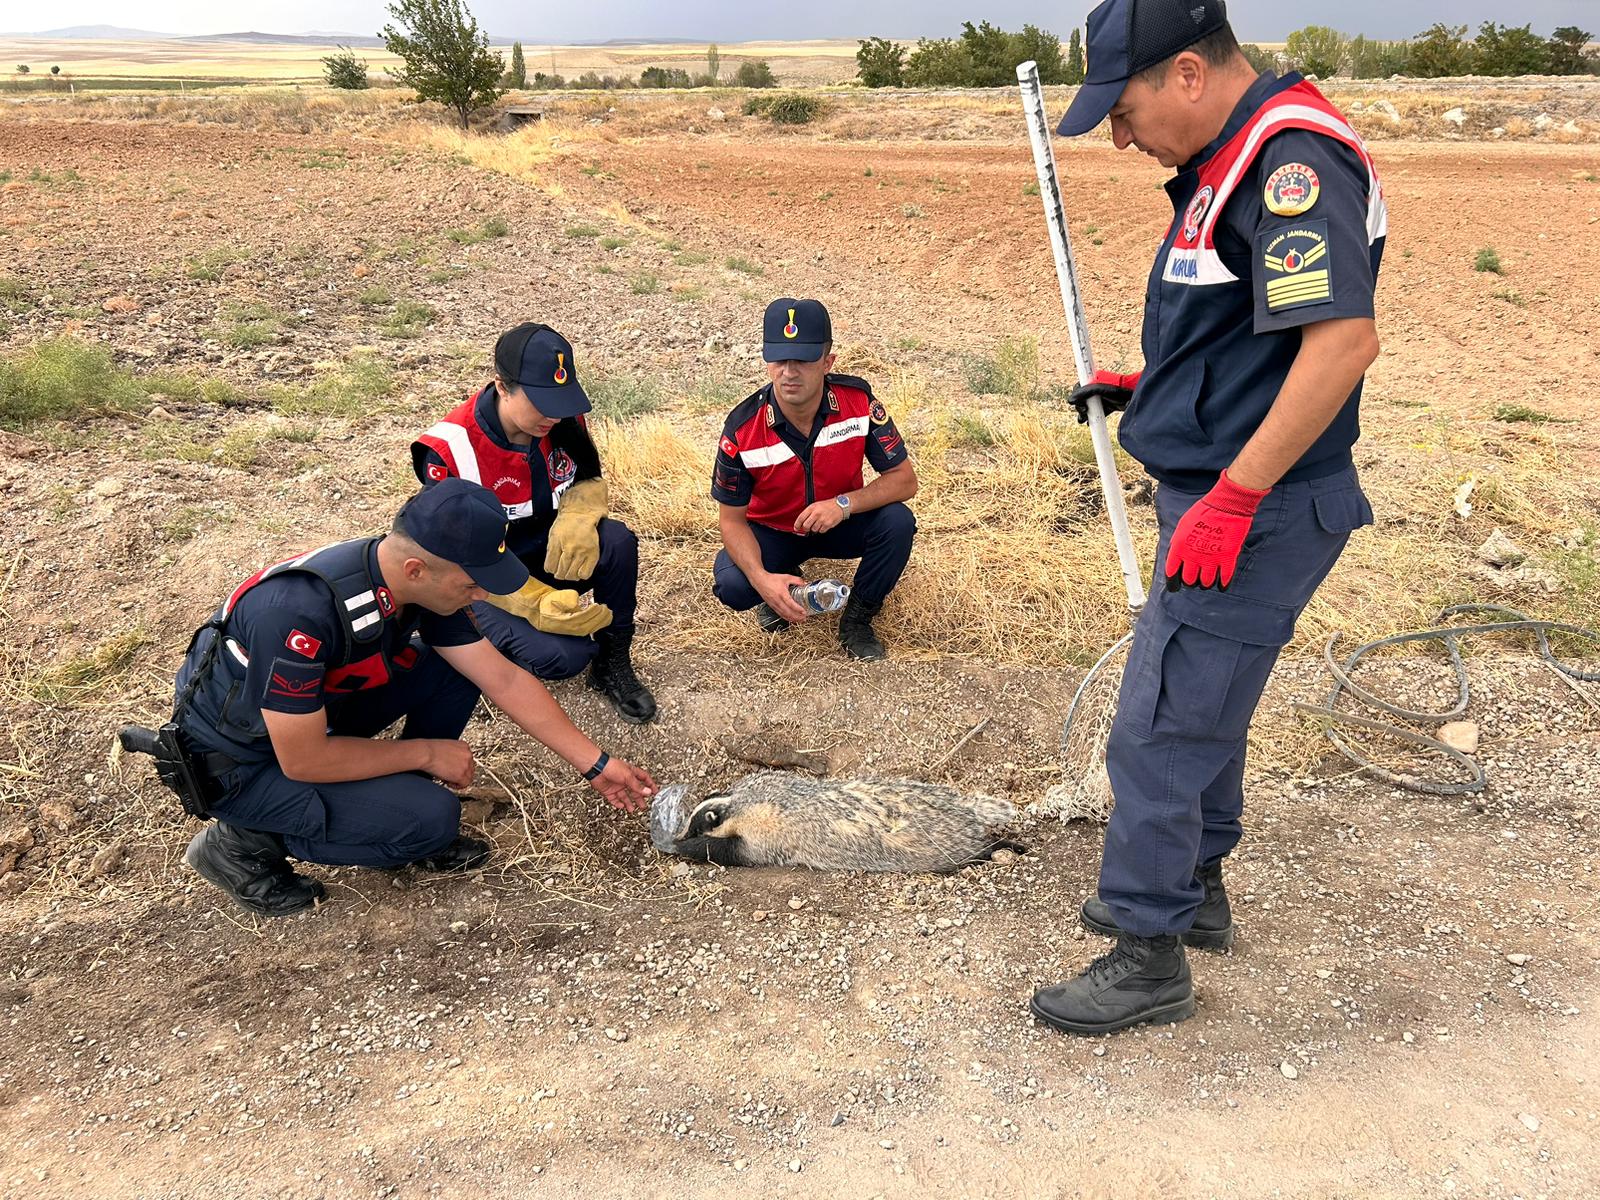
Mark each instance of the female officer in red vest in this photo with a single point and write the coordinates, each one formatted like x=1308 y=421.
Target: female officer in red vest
x=789 y=482
x=523 y=436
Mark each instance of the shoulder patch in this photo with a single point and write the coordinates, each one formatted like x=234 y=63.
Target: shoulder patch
x=303 y=644
x=728 y=446
x=291 y=680
x=1291 y=190
x=879 y=414
x=1296 y=266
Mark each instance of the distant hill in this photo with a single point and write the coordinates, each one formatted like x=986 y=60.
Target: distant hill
x=288 y=39
x=111 y=33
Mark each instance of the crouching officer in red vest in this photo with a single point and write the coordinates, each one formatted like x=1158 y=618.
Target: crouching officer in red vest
x=284 y=689
x=1258 y=328
x=788 y=478
x=524 y=437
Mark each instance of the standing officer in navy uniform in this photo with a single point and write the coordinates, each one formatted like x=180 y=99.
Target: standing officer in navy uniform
x=524 y=436
x=283 y=691
x=1258 y=328
x=788 y=480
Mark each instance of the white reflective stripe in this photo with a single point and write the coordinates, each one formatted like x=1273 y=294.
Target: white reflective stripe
x=360 y=601
x=237 y=651
x=556 y=494
x=461 y=449
x=361 y=623
x=514 y=511
x=1196 y=267
x=843 y=431
x=766 y=456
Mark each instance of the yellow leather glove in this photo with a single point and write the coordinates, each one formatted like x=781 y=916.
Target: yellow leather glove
x=553 y=611
x=574 y=546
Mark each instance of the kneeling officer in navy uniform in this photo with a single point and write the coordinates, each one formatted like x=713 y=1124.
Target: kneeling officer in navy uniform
x=284 y=688
x=788 y=480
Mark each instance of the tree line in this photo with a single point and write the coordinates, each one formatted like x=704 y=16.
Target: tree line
x=986 y=56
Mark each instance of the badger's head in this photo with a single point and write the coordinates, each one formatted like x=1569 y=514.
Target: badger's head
x=727 y=830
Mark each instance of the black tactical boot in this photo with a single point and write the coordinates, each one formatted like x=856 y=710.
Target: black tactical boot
x=613 y=674
x=253 y=868
x=1143 y=979
x=855 y=629
x=463 y=854
x=769 y=620
x=1213 y=920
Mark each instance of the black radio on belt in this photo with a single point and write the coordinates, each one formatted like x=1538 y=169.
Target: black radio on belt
x=179 y=767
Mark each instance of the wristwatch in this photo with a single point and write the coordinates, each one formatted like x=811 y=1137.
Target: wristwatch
x=844 y=503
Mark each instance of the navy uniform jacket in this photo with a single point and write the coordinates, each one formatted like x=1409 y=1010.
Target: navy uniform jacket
x=1278 y=223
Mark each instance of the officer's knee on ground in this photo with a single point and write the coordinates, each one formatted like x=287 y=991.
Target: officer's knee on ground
x=436 y=819
x=731 y=586
x=563 y=657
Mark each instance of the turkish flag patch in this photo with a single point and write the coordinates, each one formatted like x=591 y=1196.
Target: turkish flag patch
x=437 y=472
x=303 y=644
x=729 y=446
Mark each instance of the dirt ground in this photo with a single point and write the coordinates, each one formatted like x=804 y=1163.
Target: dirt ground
x=1410 y=1009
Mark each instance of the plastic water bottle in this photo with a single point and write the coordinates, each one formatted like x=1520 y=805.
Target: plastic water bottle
x=825 y=595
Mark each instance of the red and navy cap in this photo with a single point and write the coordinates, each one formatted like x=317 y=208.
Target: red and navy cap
x=463 y=523
x=1128 y=36
x=795 y=330
x=538 y=359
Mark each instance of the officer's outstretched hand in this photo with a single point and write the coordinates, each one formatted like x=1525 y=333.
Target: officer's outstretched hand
x=1113 y=389
x=450 y=762
x=1205 y=546
x=774 y=590
x=624 y=785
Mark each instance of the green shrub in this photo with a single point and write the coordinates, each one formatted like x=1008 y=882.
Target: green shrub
x=621 y=397
x=743 y=265
x=794 y=108
x=1487 y=260
x=64 y=378
x=348 y=392
x=1013 y=370
x=408 y=320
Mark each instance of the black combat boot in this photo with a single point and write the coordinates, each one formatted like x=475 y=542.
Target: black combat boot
x=253 y=868
x=769 y=620
x=613 y=674
x=1143 y=979
x=1213 y=920
x=855 y=629
x=463 y=854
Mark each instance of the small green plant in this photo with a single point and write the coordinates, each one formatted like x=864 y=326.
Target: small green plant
x=690 y=258
x=349 y=391
x=376 y=296
x=969 y=430
x=868 y=172
x=492 y=227
x=794 y=108
x=14 y=295
x=576 y=232
x=1488 y=260
x=646 y=285
x=1013 y=370
x=63 y=378
x=1522 y=414
x=1511 y=296
x=183 y=524
x=1030 y=189
x=742 y=265
x=622 y=397
x=325 y=160
x=210 y=265
x=79 y=676
x=671 y=245
x=612 y=243
x=408 y=319
x=910 y=210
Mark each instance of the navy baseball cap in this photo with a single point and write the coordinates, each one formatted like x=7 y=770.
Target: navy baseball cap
x=1128 y=36
x=463 y=523
x=540 y=360
x=796 y=330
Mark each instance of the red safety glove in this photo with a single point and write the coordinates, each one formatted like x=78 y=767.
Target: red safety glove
x=1114 y=391
x=1205 y=546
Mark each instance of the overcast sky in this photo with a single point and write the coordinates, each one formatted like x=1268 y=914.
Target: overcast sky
x=729 y=21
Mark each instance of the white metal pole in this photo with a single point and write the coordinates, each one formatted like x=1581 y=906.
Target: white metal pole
x=1044 y=161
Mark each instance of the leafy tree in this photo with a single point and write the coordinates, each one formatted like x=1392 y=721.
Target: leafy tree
x=1317 y=50
x=989 y=49
x=939 y=62
x=755 y=73
x=1371 y=59
x=1043 y=48
x=713 y=62
x=517 y=77
x=1508 y=50
x=23 y=68
x=55 y=70
x=344 y=70
x=880 y=62
x=551 y=82
x=663 y=77
x=1076 y=70
x=1260 y=60
x=1441 y=50
x=1565 y=51
x=444 y=55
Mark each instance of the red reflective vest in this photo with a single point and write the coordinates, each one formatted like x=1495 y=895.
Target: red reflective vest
x=473 y=455
x=786 y=482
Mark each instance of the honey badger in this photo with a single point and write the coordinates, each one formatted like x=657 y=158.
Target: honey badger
x=776 y=818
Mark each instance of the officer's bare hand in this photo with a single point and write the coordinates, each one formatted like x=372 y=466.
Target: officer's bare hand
x=774 y=590
x=450 y=762
x=819 y=517
x=624 y=785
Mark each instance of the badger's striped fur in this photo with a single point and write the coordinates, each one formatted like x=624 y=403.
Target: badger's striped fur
x=777 y=818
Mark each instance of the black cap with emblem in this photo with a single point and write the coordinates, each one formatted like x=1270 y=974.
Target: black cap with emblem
x=795 y=331
x=1129 y=36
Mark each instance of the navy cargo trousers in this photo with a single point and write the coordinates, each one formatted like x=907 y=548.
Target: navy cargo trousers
x=881 y=539
x=384 y=822
x=1196 y=669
